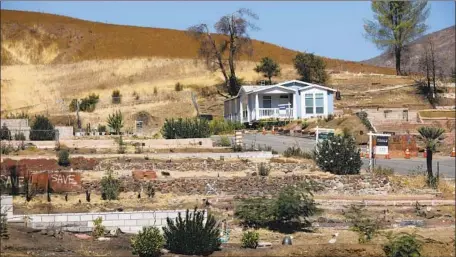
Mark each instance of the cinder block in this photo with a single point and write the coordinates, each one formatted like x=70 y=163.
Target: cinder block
x=74 y=218
x=90 y=224
x=85 y=229
x=124 y=216
x=61 y=218
x=86 y=217
x=136 y=216
x=36 y=218
x=142 y=222
x=162 y=215
x=130 y=222
x=112 y=216
x=150 y=215
x=47 y=218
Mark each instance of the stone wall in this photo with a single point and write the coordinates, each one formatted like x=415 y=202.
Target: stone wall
x=261 y=186
x=111 y=143
x=65 y=132
x=6 y=205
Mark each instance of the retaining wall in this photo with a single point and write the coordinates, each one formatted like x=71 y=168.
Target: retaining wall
x=111 y=143
x=128 y=222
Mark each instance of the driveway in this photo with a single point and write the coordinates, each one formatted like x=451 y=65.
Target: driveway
x=401 y=166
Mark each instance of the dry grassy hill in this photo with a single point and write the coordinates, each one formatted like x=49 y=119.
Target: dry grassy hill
x=39 y=38
x=49 y=57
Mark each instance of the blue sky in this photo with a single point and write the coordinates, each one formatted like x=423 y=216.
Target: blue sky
x=332 y=29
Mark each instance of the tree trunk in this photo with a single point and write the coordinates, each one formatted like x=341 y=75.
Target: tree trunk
x=397 y=52
x=270 y=80
x=429 y=163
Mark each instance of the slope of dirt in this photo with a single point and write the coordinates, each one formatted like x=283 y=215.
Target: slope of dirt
x=38 y=38
x=444 y=45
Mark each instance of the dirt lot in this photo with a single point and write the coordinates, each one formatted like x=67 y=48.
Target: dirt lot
x=29 y=242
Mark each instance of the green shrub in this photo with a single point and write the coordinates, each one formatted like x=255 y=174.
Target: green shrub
x=115 y=121
x=5 y=133
x=63 y=157
x=225 y=141
x=148 y=242
x=6 y=149
x=42 y=129
x=222 y=126
x=116 y=97
x=191 y=235
x=87 y=104
x=19 y=136
x=338 y=155
x=250 y=239
x=101 y=128
x=294 y=151
x=402 y=244
x=362 y=223
x=264 y=169
x=294 y=204
x=178 y=87
x=98 y=228
x=255 y=212
x=363 y=117
x=150 y=190
x=155 y=91
x=109 y=187
x=186 y=128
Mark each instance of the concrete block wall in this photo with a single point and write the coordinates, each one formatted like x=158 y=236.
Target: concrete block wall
x=128 y=222
x=65 y=132
x=6 y=204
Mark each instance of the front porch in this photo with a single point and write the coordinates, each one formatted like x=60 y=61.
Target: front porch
x=256 y=107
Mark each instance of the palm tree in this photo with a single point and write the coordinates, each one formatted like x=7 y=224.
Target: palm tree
x=115 y=121
x=431 y=137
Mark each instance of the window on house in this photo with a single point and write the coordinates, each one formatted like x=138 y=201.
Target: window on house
x=267 y=101
x=319 y=103
x=309 y=103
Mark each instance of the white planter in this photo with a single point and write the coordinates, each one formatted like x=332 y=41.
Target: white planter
x=103 y=133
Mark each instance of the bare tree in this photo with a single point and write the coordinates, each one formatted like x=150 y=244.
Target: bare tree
x=235 y=40
x=429 y=66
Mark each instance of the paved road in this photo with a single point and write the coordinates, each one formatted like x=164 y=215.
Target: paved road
x=402 y=166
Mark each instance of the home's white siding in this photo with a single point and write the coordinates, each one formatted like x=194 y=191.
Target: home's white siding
x=314 y=91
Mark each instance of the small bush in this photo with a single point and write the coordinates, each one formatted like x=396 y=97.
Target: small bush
x=255 y=212
x=136 y=95
x=101 y=128
x=148 y=242
x=225 y=141
x=98 y=229
x=63 y=157
x=116 y=97
x=188 y=128
x=5 y=133
x=42 y=129
x=6 y=149
x=295 y=204
x=250 y=239
x=264 y=169
x=383 y=171
x=402 y=244
x=19 y=136
x=329 y=117
x=116 y=121
x=155 y=91
x=150 y=190
x=87 y=104
x=178 y=87
x=363 y=117
x=191 y=235
x=338 y=155
x=293 y=151
x=109 y=187
x=363 y=224
x=222 y=126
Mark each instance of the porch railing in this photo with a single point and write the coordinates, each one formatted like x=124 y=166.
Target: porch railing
x=275 y=113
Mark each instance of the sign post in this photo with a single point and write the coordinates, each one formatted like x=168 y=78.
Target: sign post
x=381 y=146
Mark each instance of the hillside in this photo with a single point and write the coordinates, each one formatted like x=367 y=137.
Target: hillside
x=39 y=38
x=444 y=43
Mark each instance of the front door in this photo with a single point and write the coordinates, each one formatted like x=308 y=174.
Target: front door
x=283 y=99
